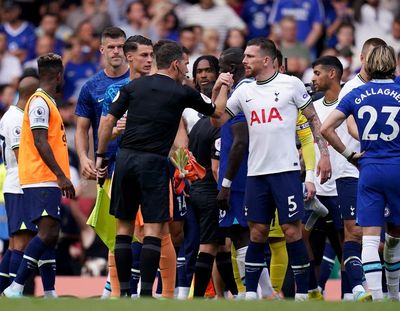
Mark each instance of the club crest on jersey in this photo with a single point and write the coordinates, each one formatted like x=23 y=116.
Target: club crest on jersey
x=276 y=96
x=265 y=116
x=386 y=212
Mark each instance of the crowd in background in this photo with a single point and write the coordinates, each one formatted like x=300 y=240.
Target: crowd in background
x=302 y=29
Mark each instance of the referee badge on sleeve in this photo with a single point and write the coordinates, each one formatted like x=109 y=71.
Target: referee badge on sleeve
x=206 y=98
x=116 y=97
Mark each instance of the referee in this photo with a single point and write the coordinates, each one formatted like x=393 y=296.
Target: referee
x=155 y=105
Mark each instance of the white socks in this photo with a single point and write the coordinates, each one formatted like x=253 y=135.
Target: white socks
x=372 y=265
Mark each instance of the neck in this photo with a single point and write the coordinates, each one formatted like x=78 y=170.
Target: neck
x=134 y=75
x=166 y=72
x=265 y=75
x=115 y=72
x=49 y=88
x=332 y=93
x=363 y=74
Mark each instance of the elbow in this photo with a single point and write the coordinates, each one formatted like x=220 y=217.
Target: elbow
x=325 y=131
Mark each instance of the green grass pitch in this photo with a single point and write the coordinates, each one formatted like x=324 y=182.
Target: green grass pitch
x=71 y=304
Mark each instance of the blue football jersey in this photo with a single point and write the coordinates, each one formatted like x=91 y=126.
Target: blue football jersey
x=375 y=107
x=110 y=94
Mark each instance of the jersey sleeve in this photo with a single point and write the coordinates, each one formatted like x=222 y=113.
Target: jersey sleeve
x=345 y=105
x=233 y=106
x=15 y=136
x=240 y=117
x=199 y=102
x=306 y=139
x=120 y=103
x=39 y=114
x=216 y=146
x=84 y=106
x=317 y=13
x=301 y=98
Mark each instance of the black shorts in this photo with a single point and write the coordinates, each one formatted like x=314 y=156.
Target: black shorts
x=204 y=205
x=140 y=178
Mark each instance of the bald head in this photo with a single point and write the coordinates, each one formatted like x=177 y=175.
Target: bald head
x=26 y=87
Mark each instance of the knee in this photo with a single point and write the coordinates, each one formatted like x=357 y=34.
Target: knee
x=49 y=236
x=259 y=233
x=292 y=231
x=352 y=232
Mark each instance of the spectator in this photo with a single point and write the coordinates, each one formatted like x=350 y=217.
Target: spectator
x=211 y=42
x=10 y=67
x=297 y=52
x=20 y=34
x=394 y=39
x=187 y=38
x=78 y=69
x=7 y=96
x=309 y=17
x=210 y=15
x=235 y=38
x=44 y=45
x=90 y=42
x=48 y=26
x=138 y=22
x=90 y=10
x=337 y=12
x=372 y=20
x=256 y=13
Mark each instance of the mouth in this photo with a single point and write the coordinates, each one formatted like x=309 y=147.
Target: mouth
x=204 y=82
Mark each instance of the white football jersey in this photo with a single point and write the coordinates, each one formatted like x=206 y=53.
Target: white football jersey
x=346 y=169
x=10 y=135
x=271 y=110
x=323 y=110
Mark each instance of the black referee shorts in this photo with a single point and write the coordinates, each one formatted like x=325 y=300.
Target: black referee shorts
x=140 y=178
x=204 y=205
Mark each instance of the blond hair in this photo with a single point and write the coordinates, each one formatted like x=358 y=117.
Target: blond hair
x=381 y=62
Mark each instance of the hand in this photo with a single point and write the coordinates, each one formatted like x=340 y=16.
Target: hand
x=88 y=169
x=224 y=78
x=101 y=168
x=311 y=191
x=121 y=124
x=67 y=189
x=324 y=168
x=354 y=160
x=223 y=199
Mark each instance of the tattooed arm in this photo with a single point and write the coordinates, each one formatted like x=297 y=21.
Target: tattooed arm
x=324 y=165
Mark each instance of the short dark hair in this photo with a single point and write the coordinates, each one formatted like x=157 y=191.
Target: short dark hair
x=49 y=65
x=186 y=28
x=233 y=57
x=113 y=33
x=132 y=43
x=371 y=42
x=330 y=62
x=167 y=53
x=266 y=46
x=160 y=43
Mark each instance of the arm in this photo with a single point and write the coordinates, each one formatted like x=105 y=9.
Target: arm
x=82 y=147
x=333 y=121
x=314 y=35
x=236 y=155
x=324 y=166
x=42 y=145
x=16 y=152
x=307 y=146
x=214 y=168
x=181 y=138
x=105 y=132
x=352 y=127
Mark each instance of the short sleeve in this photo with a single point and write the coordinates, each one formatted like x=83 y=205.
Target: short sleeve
x=345 y=105
x=39 y=113
x=317 y=13
x=15 y=136
x=199 y=102
x=239 y=118
x=301 y=97
x=233 y=106
x=120 y=103
x=85 y=106
x=216 y=146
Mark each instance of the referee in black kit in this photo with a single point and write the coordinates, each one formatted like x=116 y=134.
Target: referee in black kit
x=155 y=105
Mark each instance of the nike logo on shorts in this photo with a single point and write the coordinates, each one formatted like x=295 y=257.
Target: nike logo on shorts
x=291 y=215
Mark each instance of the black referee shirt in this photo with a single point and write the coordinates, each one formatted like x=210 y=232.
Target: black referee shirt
x=205 y=144
x=155 y=105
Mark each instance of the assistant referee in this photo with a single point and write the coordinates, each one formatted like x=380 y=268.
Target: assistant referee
x=155 y=105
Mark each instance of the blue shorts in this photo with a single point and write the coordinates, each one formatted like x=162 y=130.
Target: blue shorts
x=347 y=197
x=235 y=215
x=265 y=193
x=378 y=195
x=18 y=213
x=180 y=207
x=43 y=201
